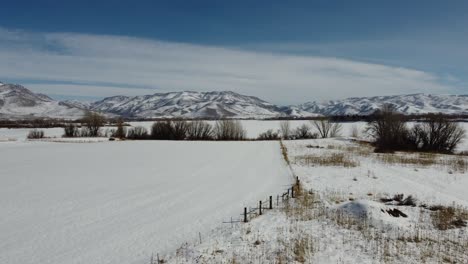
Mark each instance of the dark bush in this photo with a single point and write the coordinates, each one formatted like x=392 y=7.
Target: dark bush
x=269 y=135
x=138 y=132
x=438 y=134
x=169 y=130
x=35 y=134
x=304 y=132
x=71 y=130
x=389 y=131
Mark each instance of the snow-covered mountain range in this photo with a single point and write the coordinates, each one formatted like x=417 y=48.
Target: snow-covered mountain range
x=17 y=101
x=406 y=104
x=188 y=105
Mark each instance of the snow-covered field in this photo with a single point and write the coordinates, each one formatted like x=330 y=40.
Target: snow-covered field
x=340 y=218
x=120 y=202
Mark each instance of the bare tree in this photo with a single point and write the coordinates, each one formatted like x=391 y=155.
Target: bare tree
x=285 y=129
x=93 y=122
x=326 y=129
x=437 y=134
x=229 y=130
x=35 y=134
x=199 y=130
x=389 y=131
x=121 y=131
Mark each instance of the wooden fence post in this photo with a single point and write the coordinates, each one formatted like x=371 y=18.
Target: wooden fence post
x=260 y=207
x=245 y=215
x=271 y=202
x=277 y=200
x=292 y=192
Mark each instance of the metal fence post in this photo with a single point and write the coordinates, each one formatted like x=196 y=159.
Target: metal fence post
x=260 y=207
x=271 y=202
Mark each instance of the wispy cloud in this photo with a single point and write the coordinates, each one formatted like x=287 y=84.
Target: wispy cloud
x=101 y=65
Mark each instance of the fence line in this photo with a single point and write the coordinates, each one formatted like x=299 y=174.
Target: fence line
x=252 y=212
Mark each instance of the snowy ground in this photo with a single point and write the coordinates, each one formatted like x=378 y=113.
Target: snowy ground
x=120 y=202
x=339 y=217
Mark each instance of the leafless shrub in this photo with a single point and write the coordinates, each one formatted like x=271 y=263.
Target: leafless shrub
x=169 y=130
x=229 y=130
x=389 y=131
x=93 y=122
x=304 y=132
x=179 y=130
x=285 y=129
x=199 y=130
x=70 y=130
x=35 y=134
x=138 y=132
x=334 y=159
x=437 y=134
x=161 y=130
x=326 y=128
x=269 y=135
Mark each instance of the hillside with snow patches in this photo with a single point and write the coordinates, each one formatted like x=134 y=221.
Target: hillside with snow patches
x=17 y=101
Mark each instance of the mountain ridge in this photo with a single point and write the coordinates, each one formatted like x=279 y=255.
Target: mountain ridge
x=16 y=101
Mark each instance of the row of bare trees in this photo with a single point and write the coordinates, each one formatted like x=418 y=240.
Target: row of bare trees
x=198 y=130
x=391 y=133
x=323 y=128
x=91 y=126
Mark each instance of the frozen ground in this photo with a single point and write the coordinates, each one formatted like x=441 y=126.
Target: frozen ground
x=339 y=217
x=120 y=202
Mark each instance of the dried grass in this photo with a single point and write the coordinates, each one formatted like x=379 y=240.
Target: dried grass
x=333 y=159
x=449 y=217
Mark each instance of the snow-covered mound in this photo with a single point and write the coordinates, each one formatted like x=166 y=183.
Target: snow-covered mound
x=377 y=214
x=188 y=105
x=406 y=104
x=18 y=102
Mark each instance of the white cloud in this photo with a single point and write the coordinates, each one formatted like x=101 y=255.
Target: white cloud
x=122 y=63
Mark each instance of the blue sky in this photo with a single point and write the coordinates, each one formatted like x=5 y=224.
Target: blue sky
x=283 y=51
